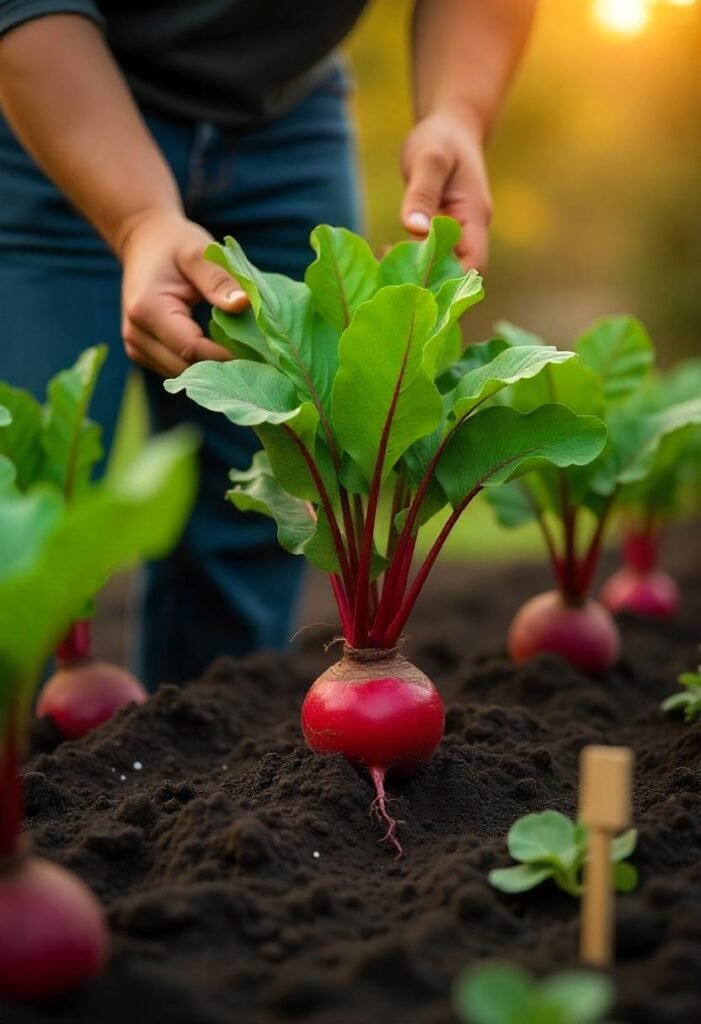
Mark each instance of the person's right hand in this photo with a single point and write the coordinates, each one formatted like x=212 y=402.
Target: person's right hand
x=164 y=275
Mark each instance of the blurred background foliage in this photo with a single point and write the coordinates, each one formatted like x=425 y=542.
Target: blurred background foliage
x=595 y=165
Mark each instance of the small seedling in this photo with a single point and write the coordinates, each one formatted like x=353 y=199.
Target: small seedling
x=549 y=845
x=687 y=700
x=506 y=994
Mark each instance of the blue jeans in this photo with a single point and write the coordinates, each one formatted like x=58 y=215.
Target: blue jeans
x=227 y=588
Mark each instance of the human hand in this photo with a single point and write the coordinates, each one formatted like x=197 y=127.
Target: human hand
x=444 y=167
x=164 y=275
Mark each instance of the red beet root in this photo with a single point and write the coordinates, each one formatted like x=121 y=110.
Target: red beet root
x=79 y=697
x=584 y=634
x=653 y=594
x=52 y=931
x=380 y=712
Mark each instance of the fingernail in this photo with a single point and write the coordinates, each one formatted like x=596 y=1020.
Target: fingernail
x=235 y=295
x=418 y=222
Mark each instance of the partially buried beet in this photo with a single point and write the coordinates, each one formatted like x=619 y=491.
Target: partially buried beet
x=357 y=388
x=85 y=691
x=53 y=934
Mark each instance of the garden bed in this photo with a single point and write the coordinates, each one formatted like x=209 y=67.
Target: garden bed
x=243 y=877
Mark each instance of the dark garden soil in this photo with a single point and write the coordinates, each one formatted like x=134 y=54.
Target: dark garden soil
x=243 y=877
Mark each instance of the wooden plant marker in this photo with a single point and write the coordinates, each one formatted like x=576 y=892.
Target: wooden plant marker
x=605 y=807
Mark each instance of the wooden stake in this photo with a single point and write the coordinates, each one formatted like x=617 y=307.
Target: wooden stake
x=604 y=806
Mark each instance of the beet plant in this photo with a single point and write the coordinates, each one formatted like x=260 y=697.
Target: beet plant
x=337 y=376
x=54 y=555
x=670 y=491
x=574 y=506
x=57 y=444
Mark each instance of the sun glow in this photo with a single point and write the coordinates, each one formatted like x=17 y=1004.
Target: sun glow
x=631 y=17
x=628 y=17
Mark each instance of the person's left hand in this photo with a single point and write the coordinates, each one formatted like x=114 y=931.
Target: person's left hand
x=444 y=167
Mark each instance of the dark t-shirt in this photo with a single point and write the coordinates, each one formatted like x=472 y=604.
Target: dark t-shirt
x=234 y=62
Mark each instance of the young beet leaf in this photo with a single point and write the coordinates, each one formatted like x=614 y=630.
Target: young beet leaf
x=506 y=994
x=670 y=490
x=549 y=845
x=344 y=398
x=687 y=700
x=57 y=444
x=54 y=555
x=573 y=506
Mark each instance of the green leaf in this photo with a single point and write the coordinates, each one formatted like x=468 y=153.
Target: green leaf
x=289 y=465
x=496 y=444
x=453 y=299
x=509 y=366
x=583 y=997
x=256 y=490
x=620 y=351
x=20 y=440
x=71 y=444
x=511 y=504
x=8 y=474
x=5 y=416
x=623 y=845
x=241 y=335
x=344 y=274
x=634 y=440
x=78 y=545
x=247 y=393
x=519 y=878
x=539 y=837
x=570 y=383
x=473 y=357
x=428 y=263
x=25 y=522
x=304 y=347
x=680 y=701
x=516 y=335
x=494 y=994
x=625 y=877
x=382 y=393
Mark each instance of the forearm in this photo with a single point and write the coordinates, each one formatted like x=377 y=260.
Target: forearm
x=465 y=54
x=66 y=100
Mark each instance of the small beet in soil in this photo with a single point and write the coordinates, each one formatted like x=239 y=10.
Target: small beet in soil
x=379 y=711
x=52 y=931
x=652 y=594
x=584 y=634
x=639 y=586
x=84 y=692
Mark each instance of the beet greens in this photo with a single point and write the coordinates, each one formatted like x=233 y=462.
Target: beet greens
x=54 y=555
x=573 y=506
x=354 y=383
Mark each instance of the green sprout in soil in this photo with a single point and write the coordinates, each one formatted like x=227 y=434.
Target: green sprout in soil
x=687 y=700
x=354 y=383
x=506 y=994
x=550 y=846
